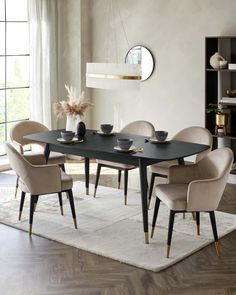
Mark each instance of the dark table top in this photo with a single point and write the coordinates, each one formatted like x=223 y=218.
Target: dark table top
x=102 y=147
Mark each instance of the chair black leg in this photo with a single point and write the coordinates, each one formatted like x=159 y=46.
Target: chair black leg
x=198 y=223
x=97 y=179
x=17 y=185
x=72 y=206
x=170 y=231
x=32 y=202
x=62 y=167
x=126 y=171
x=119 y=178
x=214 y=229
x=22 y=200
x=60 y=203
x=156 y=209
x=151 y=188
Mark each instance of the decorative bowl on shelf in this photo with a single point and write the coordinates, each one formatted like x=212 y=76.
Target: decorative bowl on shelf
x=231 y=93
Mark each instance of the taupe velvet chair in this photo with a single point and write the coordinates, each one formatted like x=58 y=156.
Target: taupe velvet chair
x=39 y=180
x=195 y=188
x=17 y=133
x=194 y=134
x=139 y=128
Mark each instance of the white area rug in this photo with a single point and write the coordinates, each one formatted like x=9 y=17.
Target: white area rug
x=110 y=229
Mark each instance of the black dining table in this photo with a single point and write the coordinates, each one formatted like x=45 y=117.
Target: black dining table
x=101 y=147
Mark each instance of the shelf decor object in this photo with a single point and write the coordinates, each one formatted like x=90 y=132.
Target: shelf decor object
x=217 y=61
x=113 y=75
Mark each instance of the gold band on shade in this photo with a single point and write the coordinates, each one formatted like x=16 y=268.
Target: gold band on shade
x=115 y=77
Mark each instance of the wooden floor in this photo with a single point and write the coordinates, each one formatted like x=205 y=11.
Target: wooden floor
x=40 y=266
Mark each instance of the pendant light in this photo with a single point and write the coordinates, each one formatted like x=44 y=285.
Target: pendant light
x=113 y=75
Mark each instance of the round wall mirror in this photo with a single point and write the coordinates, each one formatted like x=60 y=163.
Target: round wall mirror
x=141 y=55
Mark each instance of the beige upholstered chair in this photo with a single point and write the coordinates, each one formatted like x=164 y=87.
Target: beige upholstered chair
x=139 y=128
x=17 y=133
x=195 y=188
x=39 y=180
x=193 y=134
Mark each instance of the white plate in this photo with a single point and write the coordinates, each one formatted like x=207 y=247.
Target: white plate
x=74 y=140
x=154 y=140
x=105 y=134
x=131 y=149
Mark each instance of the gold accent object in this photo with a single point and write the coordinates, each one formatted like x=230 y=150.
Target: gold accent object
x=221 y=120
x=113 y=77
x=61 y=207
x=75 y=222
x=167 y=251
x=146 y=238
x=217 y=248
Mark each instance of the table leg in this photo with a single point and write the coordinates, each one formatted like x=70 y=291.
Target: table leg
x=86 y=166
x=143 y=185
x=180 y=161
x=47 y=152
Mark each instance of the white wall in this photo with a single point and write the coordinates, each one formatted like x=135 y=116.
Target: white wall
x=174 y=30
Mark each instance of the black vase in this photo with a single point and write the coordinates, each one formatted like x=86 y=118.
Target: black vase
x=81 y=130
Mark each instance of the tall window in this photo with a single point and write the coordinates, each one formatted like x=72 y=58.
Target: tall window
x=14 y=66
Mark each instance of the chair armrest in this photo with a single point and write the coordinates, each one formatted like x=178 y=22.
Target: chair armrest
x=205 y=195
x=17 y=146
x=43 y=179
x=183 y=173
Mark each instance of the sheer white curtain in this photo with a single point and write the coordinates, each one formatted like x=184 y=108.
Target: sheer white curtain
x=43 y=60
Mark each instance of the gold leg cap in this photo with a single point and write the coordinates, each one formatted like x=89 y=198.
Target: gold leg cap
x=152 y=231
x=125 y=198
x=95 y=191
x=16 y=191
x=87 y=191
x=61 y=208
x=146 y=238
x=194 y=216
x=217 y=248
x=30 y=229
x=198 y=230
x=19 y=218
x=75 y=223
x=168 y=251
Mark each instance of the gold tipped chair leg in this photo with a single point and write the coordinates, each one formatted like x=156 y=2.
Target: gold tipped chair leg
x=146 y=238
x=194 y=216
x=61 y=208
x=30 y=229
x=217 y=246
x=168 y=251
x=87 y=191
x=118 y=186
x=95 y=191
x=75 y=222
x=152 y=232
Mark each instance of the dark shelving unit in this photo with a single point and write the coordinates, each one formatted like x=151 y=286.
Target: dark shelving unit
x=217 y=81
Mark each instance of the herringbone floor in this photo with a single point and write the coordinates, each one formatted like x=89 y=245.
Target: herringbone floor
x=39 y=266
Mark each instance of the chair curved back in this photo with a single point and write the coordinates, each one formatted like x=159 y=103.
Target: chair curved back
x=196 y=134
x=18 y=163
x=144 y=128
x=23 y=128
x=206 y=193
